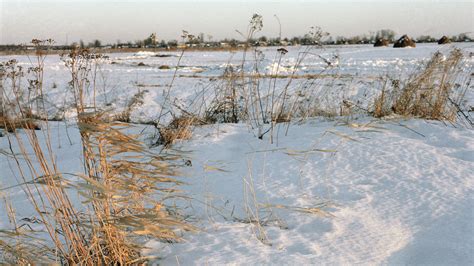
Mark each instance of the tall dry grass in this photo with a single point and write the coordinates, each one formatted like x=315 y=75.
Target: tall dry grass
x=434 y=91
x=123 y=186
x=262 y=100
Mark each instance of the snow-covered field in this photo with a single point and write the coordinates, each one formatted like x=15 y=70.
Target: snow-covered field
x=354 y=74
x=346 y=190
x=394 y=196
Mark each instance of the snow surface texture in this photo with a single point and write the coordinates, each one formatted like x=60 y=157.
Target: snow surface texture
x=397 y=197
x=393 y=191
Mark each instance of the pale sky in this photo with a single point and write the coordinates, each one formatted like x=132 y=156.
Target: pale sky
x=109 y=20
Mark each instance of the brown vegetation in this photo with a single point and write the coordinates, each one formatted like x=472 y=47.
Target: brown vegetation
x=428 y=93
x=11 y=125
x=180 y=128
x=123 y=186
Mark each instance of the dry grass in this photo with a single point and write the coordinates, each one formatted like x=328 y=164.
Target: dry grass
x=11 y=125
x=123 y=186
x=227 y=105
x=180 y=128
x=263 y=100
x=380 y=105
x=124 y=200
x=428 y=93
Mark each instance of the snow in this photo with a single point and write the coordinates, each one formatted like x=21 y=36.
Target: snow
x=145 y=53
x=391 y=191
x=395 y=196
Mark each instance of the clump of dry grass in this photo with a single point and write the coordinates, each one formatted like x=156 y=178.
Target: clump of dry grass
x=125 y=188
x=433 y=92
x=180 y=128
x=426 y=95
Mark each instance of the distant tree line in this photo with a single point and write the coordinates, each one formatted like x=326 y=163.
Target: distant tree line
x=307 y=39
x=202 y=40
